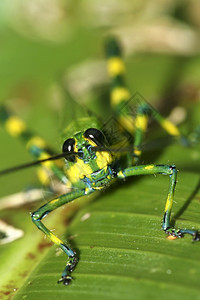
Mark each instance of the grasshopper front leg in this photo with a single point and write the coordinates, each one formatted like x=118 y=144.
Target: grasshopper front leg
x=163 y=170
x=42 y=212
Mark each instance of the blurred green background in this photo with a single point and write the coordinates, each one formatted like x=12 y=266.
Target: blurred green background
x=46 y=45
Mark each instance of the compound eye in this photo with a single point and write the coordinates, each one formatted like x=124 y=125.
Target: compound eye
x=95 y=136
x=68 y=147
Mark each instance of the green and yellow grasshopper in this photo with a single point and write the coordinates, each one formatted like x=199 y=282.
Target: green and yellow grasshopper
x=91 y=161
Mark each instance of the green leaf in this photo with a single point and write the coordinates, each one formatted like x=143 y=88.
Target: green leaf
x=122 y=250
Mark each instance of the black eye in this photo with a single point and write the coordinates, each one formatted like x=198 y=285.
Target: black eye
x=95 y=136
x=68 y=147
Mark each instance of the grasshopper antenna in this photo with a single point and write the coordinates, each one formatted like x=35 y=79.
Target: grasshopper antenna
x=35 y=163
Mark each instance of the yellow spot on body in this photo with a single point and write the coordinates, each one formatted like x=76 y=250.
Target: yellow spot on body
x=36 y=141
x=15 y=126
x=43 y=176
x=150 y=167
x=141 y=122
x=103 y=159
x=118 y=95
x=170 y=128
x=75 y=147
x=115 y=66
x=171 y=237
x=91 y=142
x=54 y=239
x=78 y=171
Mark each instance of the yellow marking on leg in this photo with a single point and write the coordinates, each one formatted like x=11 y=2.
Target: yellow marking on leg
x=43 y=176
x=47 y=164
x=115 y=66
x=36 y=141
x=150 y=167
x=121 y=175
x=168 y=204
x=55 y=239
x=170 y=128
x=141 y=122
x=137 y=152
x=15 y=126
x=127 y=123
x=118 y=95
x=54 y=201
